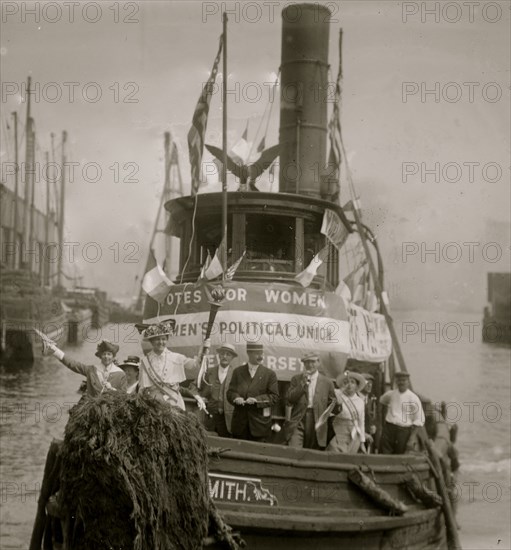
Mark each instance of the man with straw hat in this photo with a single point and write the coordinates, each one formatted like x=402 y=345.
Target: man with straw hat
x=311 y=397
x=162 y=370
x=215 y=388
x=105 y=376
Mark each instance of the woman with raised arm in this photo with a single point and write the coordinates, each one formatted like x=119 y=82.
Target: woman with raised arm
x=105 y=376
x=349 y=424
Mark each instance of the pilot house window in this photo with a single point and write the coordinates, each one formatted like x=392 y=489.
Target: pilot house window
x=270 y=242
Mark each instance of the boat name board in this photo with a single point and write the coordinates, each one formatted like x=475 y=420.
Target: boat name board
x=227 y=488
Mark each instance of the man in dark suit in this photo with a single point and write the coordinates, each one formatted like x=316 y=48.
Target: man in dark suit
x=309 y=395
x=215 y=391
x=253 y=390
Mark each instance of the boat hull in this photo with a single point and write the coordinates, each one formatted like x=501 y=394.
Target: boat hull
x=278 y=497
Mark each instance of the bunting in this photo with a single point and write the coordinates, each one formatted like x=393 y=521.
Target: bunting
x=306 y=276
x=204 y=267
x=155 y=283
x=333 y=228
x=199 y=124
x=229 y=274
x=215 y=268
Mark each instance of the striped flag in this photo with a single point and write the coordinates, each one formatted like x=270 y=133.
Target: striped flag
x=229 y=274
x=334 y=131
x=333 y=228
x=305 y=277
x=155 y=282
x=200 y=122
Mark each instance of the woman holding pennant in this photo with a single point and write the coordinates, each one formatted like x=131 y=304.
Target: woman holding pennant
x=105 y=376
x=162 y=371
x=349 y=424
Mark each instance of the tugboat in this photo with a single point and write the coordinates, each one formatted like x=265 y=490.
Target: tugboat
x=283 y=292
x=276 y=496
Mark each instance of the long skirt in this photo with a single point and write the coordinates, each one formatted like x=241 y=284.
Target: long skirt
x=343 y=442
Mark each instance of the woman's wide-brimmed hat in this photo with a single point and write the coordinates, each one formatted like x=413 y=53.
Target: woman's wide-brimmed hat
x=160 y=329
x=361 y=381
x=105 y=345
x=131 y=361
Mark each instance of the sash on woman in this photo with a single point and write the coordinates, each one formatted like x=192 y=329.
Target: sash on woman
x=168 y=389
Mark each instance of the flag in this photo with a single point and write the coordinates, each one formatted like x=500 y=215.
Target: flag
x=199 y=124
x=240 y=151
x=305 y=277
x=201 y=377
x=333 y=228
x=334 y=132
x=352 y=279
x=343 y=290
x=229 y=274
x=360 y=292
x=155 y=282
x=204 y=267
x=215 y=268
x=261 y=146
x=325 y=415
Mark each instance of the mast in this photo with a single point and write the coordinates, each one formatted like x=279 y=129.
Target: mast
x=46 y=268
x=31 y=174
x=25 y=242
x=16 y=191
x=167 y=196
x=223 y=241
x=61 y=213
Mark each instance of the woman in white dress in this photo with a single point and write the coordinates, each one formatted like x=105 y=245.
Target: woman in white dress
x=349 y=424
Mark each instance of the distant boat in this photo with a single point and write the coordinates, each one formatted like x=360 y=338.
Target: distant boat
x=497 y=314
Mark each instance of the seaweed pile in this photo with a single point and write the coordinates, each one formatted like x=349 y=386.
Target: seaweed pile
x=134 y=475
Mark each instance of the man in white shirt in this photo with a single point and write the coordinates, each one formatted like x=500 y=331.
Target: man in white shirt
x=404 y=413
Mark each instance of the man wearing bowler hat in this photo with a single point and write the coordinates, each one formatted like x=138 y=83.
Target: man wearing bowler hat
x=253 y=390
x=404 y=413
x=214 y=390
x=310 y=394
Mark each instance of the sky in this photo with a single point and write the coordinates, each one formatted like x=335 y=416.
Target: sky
x=425 y=119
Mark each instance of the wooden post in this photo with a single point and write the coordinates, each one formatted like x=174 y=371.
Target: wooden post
x=50 y=474
x=453 y=541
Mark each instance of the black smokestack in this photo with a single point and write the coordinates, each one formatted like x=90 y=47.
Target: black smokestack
x=304 y=97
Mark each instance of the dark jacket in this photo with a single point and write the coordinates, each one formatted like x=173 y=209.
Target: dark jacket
x=297 y=397
x=216 y=394
x=262 y=387
x=117 y=378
